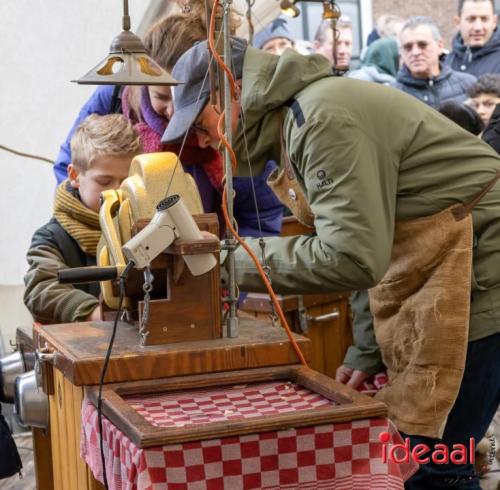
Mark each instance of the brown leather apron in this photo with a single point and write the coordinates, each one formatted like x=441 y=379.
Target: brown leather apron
x=287 y=189
x=421 y=312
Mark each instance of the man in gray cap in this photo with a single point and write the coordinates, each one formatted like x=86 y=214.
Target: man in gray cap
x=192 y=95
x=391 y=194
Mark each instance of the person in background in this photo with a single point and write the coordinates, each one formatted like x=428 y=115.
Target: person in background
x=476 y=46
x=323 y=41
x=485 y=96
x=422 y=74
x=491 y=134
x=102 y=149
x=275 y=37
x=464 y=115
x=380 y=63
x=149 y=109
x=387 y=26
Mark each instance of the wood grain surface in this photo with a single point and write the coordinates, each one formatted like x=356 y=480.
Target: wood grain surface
x=80 y=348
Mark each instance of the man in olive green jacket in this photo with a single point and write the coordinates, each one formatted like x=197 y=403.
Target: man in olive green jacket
x=366 y=156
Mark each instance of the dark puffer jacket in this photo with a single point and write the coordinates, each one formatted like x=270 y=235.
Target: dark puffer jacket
x=448 y=85
x=492 y=132
x=476 y=61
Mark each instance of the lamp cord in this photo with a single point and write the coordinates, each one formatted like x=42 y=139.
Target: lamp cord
x=123 y=278
x=184 y=140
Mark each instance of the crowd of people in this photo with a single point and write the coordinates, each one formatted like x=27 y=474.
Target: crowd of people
x=367 y=158
x=410 y=55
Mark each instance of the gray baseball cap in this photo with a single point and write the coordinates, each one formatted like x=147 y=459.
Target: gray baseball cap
x=191 y=96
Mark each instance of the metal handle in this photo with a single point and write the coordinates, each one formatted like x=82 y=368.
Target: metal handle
x=324 y=318
x=304 y=318
x=82 y=275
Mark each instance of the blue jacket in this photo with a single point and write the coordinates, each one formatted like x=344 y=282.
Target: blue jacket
x=448 y=85
x=476 y=61
x=270 y=208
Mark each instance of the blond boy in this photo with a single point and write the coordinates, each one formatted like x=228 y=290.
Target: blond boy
x=102 y=149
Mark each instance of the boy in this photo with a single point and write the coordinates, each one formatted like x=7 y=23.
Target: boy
x=485 y=95
x=102 y=149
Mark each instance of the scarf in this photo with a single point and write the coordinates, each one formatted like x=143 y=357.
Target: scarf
x=151 y=129
x=80 y=222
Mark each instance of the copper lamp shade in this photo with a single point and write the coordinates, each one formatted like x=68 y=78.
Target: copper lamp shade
x=289 y=8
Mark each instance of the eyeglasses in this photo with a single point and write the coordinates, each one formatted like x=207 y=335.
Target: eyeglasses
x=422 y=45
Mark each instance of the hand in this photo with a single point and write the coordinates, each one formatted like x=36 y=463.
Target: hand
x=208 y=236
x=95 y=316
x=350 y=377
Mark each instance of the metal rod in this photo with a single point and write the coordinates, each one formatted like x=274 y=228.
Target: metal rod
x=126 y=16
x=211 y=69
x=232 y=320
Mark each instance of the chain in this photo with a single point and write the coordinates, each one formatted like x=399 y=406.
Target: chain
x=267 y=270
x=147 y=287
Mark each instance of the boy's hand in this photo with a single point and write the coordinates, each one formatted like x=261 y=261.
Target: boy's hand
x=95 y=316
x=350 y=377
x=210 y=236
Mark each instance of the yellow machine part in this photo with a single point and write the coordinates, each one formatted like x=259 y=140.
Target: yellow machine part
x=149 y=177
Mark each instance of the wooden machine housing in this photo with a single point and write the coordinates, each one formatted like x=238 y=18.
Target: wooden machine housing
x=261 y=352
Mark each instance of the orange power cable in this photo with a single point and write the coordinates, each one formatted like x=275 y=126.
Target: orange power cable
x=229 y=225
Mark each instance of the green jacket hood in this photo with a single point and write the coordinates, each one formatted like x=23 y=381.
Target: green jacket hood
x=384 y=55
x=268 y=82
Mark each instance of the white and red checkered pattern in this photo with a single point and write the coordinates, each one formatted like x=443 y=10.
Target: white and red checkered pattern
x=374 y=384
x=235 y=402
x=344 y=456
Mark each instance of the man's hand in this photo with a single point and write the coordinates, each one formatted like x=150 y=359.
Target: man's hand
x=350 y=377
x=95 y=316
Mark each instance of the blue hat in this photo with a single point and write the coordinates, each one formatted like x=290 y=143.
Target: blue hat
x=277 y=28
x=191 y=96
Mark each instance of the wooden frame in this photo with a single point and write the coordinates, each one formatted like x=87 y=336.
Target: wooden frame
x=351 y=405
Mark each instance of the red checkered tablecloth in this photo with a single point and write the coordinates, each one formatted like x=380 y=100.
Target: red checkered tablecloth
x=333 y=456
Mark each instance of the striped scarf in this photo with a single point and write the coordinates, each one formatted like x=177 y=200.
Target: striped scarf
x=80 y=222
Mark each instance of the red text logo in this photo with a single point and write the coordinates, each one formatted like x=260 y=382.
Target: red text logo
x=423 y=454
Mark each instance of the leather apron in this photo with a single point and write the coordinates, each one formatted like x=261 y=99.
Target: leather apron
x=421 y=312
x=283 y=182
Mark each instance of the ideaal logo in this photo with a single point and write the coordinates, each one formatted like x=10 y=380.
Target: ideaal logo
x=321 y=174
x=423 y=454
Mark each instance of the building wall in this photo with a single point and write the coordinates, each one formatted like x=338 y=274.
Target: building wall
x=44 y=46
x=441 y=11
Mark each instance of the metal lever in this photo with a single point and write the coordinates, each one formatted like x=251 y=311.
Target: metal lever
x=324 y=318
x=304 y=318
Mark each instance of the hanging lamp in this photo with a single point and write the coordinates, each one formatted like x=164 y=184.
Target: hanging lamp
x=289 y=8
x=128 y=62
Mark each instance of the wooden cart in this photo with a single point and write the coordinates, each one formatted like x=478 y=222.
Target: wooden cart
x=77 y=351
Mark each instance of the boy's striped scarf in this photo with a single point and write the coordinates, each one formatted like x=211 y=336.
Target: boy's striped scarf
x=80 y=222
